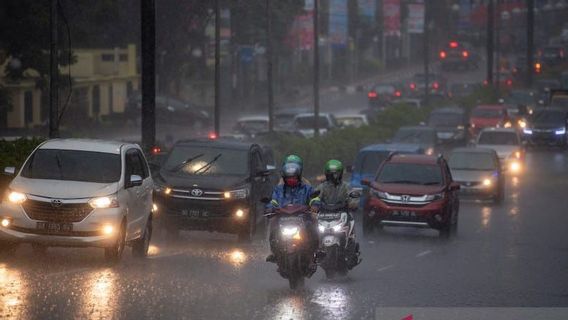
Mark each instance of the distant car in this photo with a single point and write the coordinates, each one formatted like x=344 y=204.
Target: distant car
x=547 y=126
x=352 y=120
x=461 y=90
x=517 y=97
x=436 y=83
x=487 y=116
x=508 y=145
x=412 y=191
x=458 y=55
x=424 y=137
x=284 y=117
x=415 y=103
x=552 y=55
x=451 y=124
x=80 y=193
x=213 y=185
x=251 y=125
x=478 y=171
x=382 y=94
x=304 y=123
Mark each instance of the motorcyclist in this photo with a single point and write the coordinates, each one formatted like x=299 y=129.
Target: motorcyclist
x=294 y=191
x=292 y=158
x=333 y=190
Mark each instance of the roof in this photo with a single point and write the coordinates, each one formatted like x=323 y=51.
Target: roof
x=350 y=115
x=85 y=145
x=219 y=143
x=391 y=147
x=473 y=150
x=311 y=114
x=253 y=118
x=414 y=158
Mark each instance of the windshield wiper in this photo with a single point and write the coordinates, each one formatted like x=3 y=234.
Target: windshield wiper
x=59 y=166
x=207 y=166
x=184 y=163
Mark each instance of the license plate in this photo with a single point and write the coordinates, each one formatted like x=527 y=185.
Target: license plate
x=194 y=213
x=54 y=227
x=329 y=216
x=404 y=213
x=329 y=240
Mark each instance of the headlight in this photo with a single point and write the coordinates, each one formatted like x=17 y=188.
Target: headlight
x=17 y=197
x=321 y=228
x=460 y=127
x=507 y=124
x=437 y=196
x=560 y=131
x=104 y=202
x=522 y=124
x=429 y=151
x=487 y=182
x=515 y=166
x=162 y=189
x=289 y=231
x=527 y=131
x=337 y=228
x=236 y=194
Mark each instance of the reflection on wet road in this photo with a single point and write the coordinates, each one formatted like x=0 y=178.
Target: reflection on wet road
x=514 y=254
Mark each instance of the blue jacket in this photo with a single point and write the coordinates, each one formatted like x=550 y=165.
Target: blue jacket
x=283 y=196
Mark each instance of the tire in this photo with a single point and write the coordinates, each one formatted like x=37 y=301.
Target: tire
x=39 y=249
x=450 y=229
x=141 y=246
x=114 y=254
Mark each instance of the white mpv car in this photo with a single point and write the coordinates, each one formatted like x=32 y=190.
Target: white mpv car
x=80 y=193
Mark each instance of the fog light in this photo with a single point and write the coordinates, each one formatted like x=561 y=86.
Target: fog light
x=240 y=213
x=108 y=229
x=167 y=190
x=438 y=218
x=487 y=182
x=515 y=167
x=5 y=223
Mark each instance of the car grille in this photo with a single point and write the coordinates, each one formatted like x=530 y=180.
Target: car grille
x=67 y=212
x=197 y=194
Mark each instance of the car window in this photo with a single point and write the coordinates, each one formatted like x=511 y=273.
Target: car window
x=410 y=173
x=472 y=161
x=145 y=170
x=498 y=138
x=487 y=113
x=369 y=162
x=257 y=162
x=134 y=164
x=207 y=160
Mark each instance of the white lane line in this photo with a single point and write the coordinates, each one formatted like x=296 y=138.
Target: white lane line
x=390 y=266
x=424 y=253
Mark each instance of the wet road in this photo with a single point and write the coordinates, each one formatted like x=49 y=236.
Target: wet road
x=512 y=255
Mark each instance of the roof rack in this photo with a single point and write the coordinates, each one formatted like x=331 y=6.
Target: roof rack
x=391 y=155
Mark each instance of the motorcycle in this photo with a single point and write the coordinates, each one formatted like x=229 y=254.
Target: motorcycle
x=337 y=239
x=290 y=244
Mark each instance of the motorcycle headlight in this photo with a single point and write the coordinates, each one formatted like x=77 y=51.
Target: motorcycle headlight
x=17 y=197
x=560 y=131
x=289 y=231
x=433 y=197
x=321 y=228
x=236 y=194
x=429 y=151
x=527 y=131
x=337 y=228
x=522 y=123
x=104 y=202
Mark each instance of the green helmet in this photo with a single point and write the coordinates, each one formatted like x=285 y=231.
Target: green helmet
x=334 y=171
x=292 y=158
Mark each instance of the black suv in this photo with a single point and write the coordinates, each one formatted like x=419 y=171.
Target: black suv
x=213 y=185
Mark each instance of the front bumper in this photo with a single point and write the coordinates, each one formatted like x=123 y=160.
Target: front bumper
x=477 y=189
x=432 y=215
x=545 y=139
x=86 y=233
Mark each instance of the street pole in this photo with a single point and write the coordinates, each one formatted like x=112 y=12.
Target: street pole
x=269 y=66
x=426 y=53
x=498 y=47
x=148 y=43
x=217 y=66
x=489 y=45
x=316 y=68
x=530 y=42
x=53 y=74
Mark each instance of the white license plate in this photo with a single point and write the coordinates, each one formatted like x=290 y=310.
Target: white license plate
x=404 y=213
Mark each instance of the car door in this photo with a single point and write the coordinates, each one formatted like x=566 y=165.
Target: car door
x=135 y=194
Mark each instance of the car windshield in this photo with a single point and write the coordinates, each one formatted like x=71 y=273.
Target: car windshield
x=308 y=122
x=498 y=138
x=253 y=125
x=410 y=173
x=472 y=161
x=415 y=136
x=445 y=120
x=487 y=113
x=201 y=160
x=369 y=162
x=350 y=121
x=548 y=117
x=73 y=165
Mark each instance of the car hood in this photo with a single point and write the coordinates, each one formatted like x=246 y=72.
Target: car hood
x=63 y=189
x=409 y=189
x=214 y=182
x=502 y=151
x=471 y=175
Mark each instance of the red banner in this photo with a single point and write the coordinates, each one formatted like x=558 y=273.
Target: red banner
x=391 y=17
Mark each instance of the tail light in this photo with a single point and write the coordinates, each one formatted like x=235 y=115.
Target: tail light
x=398 y=94
x=453 y=44
x=562 y=53
x=372 y=95
x=442 y=54
x=435 y=85
x=509 y=82
x=156 y=150
x=412 y=86
x=537 y=67
x=213 y=135
x=465 y=54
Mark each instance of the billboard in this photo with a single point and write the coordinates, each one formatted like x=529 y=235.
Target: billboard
x=338 y=19
x=391 y=17
x=367 y=9
x=415 y=22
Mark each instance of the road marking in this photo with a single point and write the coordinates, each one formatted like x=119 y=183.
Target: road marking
x=424 y=253
x=390 y=266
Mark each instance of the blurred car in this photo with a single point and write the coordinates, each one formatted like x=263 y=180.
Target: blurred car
x=436 y=83
x=80 y=193
x=478 y=171
x=251 y=125
x=546 y=126
x=458 y=55
x=559 y=99
x=284 y=117
x=424 y=137
x=552 y=55
x=450 y=123
x=508 y=145
x=487 y=116
x=352 y=120
x=415 y=103
x=382 y=94
x=523 y=97
x=461 y=90
x=506 y=80
x=304 y=123
x=412 y=191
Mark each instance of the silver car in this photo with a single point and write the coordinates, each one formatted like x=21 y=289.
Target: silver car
x=508 y=145
x=80 y=193
x=479 y=173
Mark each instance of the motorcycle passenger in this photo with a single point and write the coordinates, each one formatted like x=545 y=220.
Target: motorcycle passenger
x=294 y=191
x=292 y=158
x=333 y=190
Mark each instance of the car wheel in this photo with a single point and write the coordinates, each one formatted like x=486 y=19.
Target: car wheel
x=141 y=246
x=39 y=249
x=114 y=253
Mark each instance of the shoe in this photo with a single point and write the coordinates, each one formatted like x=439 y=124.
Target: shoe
x=271 y=258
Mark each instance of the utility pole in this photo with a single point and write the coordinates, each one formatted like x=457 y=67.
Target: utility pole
x=269 y=66
x=490 y=42
x=316 y=68
x=148 y=30
x=53 y=74
x=217 y=67
x=498 y=46
x=530 y=43
x=426 y=52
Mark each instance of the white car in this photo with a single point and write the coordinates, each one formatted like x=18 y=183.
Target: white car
x=507 y=143
x=304 y=123
x=80 y=193
x=251 y=125
x=352 y=120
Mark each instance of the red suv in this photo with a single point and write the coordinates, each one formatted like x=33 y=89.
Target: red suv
x=412 y=191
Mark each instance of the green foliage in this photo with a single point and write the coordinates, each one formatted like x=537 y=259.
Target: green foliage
x=14 y=153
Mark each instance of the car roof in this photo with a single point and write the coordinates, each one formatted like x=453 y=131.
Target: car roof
x=93 y=145
x=218 y=143
x=391 y=147
x=252 y=118
x=474 y=150
x=311 y=114
x=508 y=130
x=415 y=159
x=350 y=115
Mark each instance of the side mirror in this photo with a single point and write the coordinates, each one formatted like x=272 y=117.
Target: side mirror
x=454 y=186
x=366 y=182
x=354 y=194
x=10 y=171
x=270 y=167
x=135 y=181
x=263 y=173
